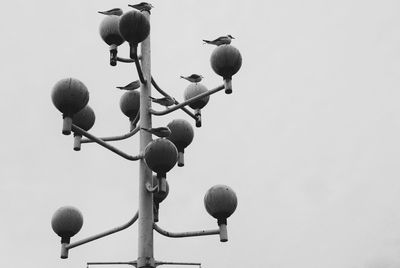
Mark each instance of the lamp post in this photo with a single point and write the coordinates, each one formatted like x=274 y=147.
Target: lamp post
x=70 y=96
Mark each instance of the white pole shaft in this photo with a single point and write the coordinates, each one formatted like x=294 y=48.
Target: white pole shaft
x=145 y=221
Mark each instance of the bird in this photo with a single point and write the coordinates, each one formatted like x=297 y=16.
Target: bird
x=162 y=132
x=222 y=40
x=131 y=86
x=143 y=6
x=194 y=78
x=114 y=11
x=165 y=101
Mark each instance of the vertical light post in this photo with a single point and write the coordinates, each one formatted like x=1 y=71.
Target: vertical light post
x=158 y=156
x=145 y=227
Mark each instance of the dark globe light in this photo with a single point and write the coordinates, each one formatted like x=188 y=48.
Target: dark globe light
x=220 y=202
x=109 y=32
x=182 y=136
x=226 y=61
x=84 y=119
x=66 y=222
x=134 y=28
x=130 y=104
x=69 y=96
x=160 y=156
x=193 y=90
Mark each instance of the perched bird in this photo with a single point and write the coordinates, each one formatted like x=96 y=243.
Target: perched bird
x=165 y=101
x=223 y=40
x=114 y=11
x=131 y=86
x=143 y=6
x=194 y=78
x=161 y=132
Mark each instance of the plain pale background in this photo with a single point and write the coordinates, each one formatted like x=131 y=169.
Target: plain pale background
x=309 y=139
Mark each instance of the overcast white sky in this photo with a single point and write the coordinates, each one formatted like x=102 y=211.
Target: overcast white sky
x=309 y=139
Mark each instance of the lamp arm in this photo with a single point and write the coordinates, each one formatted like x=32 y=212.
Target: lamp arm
x=187 y=102
x=139 y=69
x=119 y=137
x=184 y=234
x=133 y=263
x=105 y=144
x=162 y=92
x=177 y=263
x=103 y=234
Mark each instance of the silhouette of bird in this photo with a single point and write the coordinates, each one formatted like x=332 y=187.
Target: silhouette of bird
x=165 y=101
x=143 y=6
x=194 y=78
x=131 y=86
x=223 y=40
x=114 y=11
x=161 y=132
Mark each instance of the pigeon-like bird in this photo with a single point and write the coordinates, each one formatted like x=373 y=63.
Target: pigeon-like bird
x=114 y=11
x=162 y=132
x=131 y=86
x=223 y=40
x=143 y=6
x=194 y=78
x=165 y=101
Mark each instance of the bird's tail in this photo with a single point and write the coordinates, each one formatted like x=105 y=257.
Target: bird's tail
x=183 y=77
x=206 y=41
x=145 y=129
x=101 y=12
x=152 y=98
x=120 y=87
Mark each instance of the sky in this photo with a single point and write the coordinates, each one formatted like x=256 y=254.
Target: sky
x=308 y=139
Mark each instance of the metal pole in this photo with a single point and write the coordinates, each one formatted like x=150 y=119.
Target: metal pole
x=145 y=222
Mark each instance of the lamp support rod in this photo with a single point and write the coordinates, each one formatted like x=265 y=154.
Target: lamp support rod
x=103 y=234
x=187 y=102
x=77 y=129
x=185 y=234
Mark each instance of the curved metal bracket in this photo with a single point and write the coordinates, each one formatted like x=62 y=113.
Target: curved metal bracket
x=116 y=138
x=139 y=69
x=104 y=144
x=119 y=137
x=150 y=188
x=185 y=234
x=103 y=234
x=153 y=82
x=187 y=102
